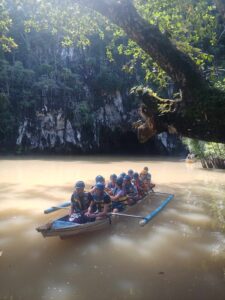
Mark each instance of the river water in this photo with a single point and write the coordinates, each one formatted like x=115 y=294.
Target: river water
x=180 y=254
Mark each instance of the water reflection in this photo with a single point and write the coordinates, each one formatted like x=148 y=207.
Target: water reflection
x=180 y=254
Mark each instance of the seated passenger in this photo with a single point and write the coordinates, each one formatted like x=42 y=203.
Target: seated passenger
x=145 y=175
x=80 y=201
x=130 y=190
x=112 y=183
x=145 y=186
x=119 y=198
x=131 y=174
x=100 y=179
x=122 y=175
x=99 y=207
x=138 y=184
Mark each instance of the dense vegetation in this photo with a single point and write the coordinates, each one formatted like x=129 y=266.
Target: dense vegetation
x=211 y=155
x=40 y=67
x=51 y=51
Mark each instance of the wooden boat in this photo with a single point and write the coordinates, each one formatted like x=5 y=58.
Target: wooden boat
x=63 y=228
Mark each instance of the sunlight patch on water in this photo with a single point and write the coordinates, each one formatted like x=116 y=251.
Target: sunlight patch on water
x=183 y=253
x=13 y=221
x=121 y=242
x=216 y=248
x=59 y=292
x=191 y=207
x=93 y=249
x=127 y=286
x=193 y=218
x=71 y=267
x=196 y=219
x=185 y=229
x=154 y=243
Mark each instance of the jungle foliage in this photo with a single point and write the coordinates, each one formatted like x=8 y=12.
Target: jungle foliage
x=211 y=155
x=51 y=50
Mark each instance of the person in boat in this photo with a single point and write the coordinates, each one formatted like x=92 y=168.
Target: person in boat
x=122 y=175
x=100 y=179
x=118 y=197
x=138 y=184
x=100 y=205
x=80 y=201
x=130 y=190
x=112 y=184
x=130 y=173
x=146 y=177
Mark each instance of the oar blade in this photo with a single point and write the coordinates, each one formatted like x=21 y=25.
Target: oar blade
x=55 y=208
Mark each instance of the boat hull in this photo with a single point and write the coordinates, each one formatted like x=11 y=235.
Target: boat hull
x=73 y=230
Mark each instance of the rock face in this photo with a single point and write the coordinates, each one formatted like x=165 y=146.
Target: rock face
x=81 y=106
x=106 y=129
x=54 y=130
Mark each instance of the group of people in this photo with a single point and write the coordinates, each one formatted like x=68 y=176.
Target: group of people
x=122 y=190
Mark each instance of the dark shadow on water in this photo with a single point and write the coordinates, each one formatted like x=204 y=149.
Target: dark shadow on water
x=95 y=158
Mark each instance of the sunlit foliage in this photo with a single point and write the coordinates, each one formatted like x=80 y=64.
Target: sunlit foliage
x=211 y=154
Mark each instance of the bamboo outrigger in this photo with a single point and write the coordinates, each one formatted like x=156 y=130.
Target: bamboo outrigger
x=63 y=228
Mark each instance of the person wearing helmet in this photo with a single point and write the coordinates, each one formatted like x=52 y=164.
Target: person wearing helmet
x=122 y=175
x=100 y=179
x=130 y=173
x=145 y=174
x=130 y=190
x=112 y=183
x=118 y=197
x=99 y=207
x=80 y=201
x=138 y=184
x=146 y=179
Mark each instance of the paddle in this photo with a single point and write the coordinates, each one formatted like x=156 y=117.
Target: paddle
x=55 y=208
x=125 y=215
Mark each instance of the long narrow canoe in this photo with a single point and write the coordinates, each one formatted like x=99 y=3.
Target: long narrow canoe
x=63 y=228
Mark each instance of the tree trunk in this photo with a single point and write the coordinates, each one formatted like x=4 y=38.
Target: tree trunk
x=201 y=113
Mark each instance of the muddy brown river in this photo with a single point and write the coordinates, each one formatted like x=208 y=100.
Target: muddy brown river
x=180 y=254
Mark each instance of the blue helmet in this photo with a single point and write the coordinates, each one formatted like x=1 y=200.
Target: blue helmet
x=79 y=185
x=127 y=177
x=135 y=175
x=100 y=186
x=100 y=178
x=131 y=172
x=119 y=181
x=122 y=175
x=113 y=176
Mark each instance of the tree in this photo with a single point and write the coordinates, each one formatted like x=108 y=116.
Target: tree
x=6 y=42
x=200 y=111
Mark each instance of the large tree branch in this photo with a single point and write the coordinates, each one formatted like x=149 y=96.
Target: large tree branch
x=175 y=63
x=201 y=113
